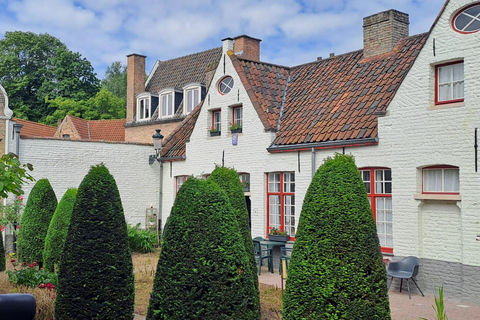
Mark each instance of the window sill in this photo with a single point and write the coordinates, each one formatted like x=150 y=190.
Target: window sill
x=445 y=197
x=447 y=105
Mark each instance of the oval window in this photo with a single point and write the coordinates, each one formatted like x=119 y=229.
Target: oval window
x=226 y=85
x=467 y=20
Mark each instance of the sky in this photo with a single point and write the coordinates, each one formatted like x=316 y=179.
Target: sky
x=292 y=31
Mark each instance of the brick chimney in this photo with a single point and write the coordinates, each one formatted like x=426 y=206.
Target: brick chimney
x=135 y=81
x=247 y=47
x=382 y=31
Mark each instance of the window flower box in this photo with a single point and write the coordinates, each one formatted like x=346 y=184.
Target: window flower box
x=214 y=133
x=278 y=237
x=238 y=130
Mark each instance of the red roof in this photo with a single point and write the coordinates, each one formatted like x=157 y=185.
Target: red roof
x=100 y=130
x=34 y=129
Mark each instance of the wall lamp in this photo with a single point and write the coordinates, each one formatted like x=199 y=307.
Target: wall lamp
x=157 y=145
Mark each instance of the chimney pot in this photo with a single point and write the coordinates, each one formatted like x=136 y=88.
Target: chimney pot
x=332 y=55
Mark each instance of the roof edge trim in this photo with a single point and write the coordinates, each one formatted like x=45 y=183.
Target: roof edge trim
x=322 y=145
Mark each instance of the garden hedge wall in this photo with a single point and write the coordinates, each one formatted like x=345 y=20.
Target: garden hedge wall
x=96 y=271
x=336 y=269
x=229 y=181
x=57 y=231
x=36 y=217
x=201 y=272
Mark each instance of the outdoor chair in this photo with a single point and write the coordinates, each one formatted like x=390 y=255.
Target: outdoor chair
x=261 y=254
x=407 y=268
x=285 y=254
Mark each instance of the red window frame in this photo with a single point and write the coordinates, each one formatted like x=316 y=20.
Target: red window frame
x=282 y=195
x=219 y=127
x=438 y=167
x=176 y=182
x=459 y=13
x=437 y=91
x=234 y=119
x=373 y=195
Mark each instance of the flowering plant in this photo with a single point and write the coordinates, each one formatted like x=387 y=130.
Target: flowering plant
x=30 y=275
x=11 y=212
x=213 y=129
x=235 y=126
x=276 y=232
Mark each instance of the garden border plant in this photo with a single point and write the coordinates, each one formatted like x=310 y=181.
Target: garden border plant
x=336 y=269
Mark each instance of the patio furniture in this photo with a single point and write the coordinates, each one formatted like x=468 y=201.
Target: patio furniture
x=407 y=268
x=285 y=256
x=18 y=306
x=261 y=254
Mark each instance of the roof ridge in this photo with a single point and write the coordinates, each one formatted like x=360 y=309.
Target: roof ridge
x=189 y=55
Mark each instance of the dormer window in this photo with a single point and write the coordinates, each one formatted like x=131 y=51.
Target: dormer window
x=146 y=104
x=169 y=102
x=192 y=94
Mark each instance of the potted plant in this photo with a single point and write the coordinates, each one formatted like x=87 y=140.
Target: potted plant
x=235 y=128
x=214 y=132
x=277 y=235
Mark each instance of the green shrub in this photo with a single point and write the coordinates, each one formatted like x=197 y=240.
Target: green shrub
x=229 y=181
x=36 y=217
x=31 y=276
x=96 y=271
x=141 y=240
x=57 y=231
x=336 y=269
x=201 y=272
x=2 y=254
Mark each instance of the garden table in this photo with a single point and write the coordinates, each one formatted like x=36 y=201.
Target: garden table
x=270 y=245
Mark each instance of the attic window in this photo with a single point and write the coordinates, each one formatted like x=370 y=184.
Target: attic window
x=66 y=136
x=467 y=20
x=146 y=105
x=166 y=104
x=192 y=97
x=225 y=85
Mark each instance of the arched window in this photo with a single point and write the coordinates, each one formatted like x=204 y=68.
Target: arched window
x=441 y=179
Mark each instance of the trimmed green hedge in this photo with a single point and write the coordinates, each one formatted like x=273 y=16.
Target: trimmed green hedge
x=96 y=271
x=57 y=231
x=36 y=217
x=2 y=254
x=229 y=181
x=201 y=272
x=336 y=269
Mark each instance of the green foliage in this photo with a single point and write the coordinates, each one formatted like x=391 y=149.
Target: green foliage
x=140 y=240
x=36 y=217
x=2 y=254
x=96 y=271
x=35 y=66
x=31 y=276
x=57 y=231
x=229 y=182
x=336 y=269
x=105 y=105
x=201 y=272
x=440 y=305
x=14 y=175
x=11 y=212
x=115 y=80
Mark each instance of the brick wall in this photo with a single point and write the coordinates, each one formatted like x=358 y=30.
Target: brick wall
x=248 y=46
x=135 y=81
x=144 y=133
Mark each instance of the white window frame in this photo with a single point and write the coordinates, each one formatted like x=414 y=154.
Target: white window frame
x=144 y=114
x=441 y=170
x=217 y=121
x=237 y=116
x=188 y=103
x=166 y=94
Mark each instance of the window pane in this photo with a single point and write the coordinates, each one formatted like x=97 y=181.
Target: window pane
x=444 y=74
x=432 y=180
x=384 y=221
x=457 y=72
x=366 y=179
x=444 y=92
x=274 y=210
x=458 y=90
x=452 y=181
x=274 y=182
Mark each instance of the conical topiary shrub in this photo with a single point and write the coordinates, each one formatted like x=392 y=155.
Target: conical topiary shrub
x=96 y=271
x=2 y=253
x=229 y=181
x=36 y=217
x=57 y=231
x=336 y=269
x=201 y=272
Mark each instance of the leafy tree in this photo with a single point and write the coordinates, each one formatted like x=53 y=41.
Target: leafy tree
x=96 y=271
x=36 y=66
x=57 y=231
x=14 y=175
x=228 y=180
x=36 y=217
x=105 y=105
x=336 y=269
x=201 y=272
x=115 y=80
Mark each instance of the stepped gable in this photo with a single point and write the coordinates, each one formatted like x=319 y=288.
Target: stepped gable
x=178 y=72
x=339 y=98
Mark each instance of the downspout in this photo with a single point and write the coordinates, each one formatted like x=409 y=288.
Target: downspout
x=313 y=162
x=16 y=128
x=160 y=197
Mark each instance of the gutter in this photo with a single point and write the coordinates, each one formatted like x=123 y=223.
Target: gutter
x=177 y=158
x=323 y=145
